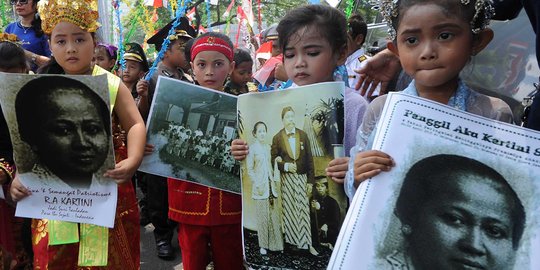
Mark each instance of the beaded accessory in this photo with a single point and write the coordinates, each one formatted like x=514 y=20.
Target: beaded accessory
x=389 y=10
x=83 y=13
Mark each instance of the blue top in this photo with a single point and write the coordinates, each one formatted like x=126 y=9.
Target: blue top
x=30 y=42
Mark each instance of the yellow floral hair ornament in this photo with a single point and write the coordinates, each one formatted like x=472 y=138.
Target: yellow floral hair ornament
x=8 y=37
x=83 y=13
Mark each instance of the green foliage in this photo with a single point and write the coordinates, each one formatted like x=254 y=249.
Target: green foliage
x=271 y=12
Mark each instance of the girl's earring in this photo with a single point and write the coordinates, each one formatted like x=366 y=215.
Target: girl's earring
x=406 y=230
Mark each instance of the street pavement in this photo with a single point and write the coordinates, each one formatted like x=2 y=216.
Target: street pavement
x=149 y=258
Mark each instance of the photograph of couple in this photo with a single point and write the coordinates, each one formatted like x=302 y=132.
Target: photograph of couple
x=292 y=211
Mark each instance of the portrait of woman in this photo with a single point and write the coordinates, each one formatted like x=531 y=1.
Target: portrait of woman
x=456 y=213
x=264 y=191
x=67 y=126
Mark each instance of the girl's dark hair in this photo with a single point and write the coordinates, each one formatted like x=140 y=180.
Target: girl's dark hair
x=33 y=93
x=12 y=56
x=36 y=22
x=451 y=8
x=357 y=26
x=422 y=185
x=241 y=56
x=254 y=131
x=52 y=67
x=329 y=22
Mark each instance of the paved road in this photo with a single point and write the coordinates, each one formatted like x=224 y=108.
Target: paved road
x=149 y=259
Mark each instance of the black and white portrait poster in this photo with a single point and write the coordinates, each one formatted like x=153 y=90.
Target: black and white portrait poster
x=291 y=211
x=464 y=194
x=60 y=127
x=191 y=128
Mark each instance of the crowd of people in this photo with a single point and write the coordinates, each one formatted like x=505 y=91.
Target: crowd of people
x=208 y=150
x=430 y=41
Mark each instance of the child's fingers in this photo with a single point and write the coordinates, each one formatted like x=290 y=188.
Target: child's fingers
x=148 y=149
x=373 y=156
x=338 y=164
x=239 y=157
x=120 y=173
x=18 y=192
x=338 y=180
x=239 y=149
x=365 y=176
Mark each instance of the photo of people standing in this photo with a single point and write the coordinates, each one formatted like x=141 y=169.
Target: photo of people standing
x=292 y=210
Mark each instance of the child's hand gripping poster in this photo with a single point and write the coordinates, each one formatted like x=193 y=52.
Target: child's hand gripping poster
x=464 y=194
x=292 y=212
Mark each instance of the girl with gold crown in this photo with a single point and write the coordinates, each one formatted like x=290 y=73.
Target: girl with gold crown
x=71 y=25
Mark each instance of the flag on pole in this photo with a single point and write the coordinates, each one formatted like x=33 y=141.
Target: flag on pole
x=202 y=30
x=228 y=11
x=191 y=15
x=158 y=3
x=248 y=11
x=265 y=51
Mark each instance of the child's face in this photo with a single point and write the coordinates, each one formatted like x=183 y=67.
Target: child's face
x=321 y=188
x=211 y=69
x=102 y=58
x=72 y=47
x=432 y=46
x=175 y=53
x=133 y=71
x=260 y=135
x=242 y=73
x=308 y=58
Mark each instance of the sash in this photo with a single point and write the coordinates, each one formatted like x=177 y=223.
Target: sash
x=94 y=240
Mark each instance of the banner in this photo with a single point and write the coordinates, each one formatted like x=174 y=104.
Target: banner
x=60 y=127
x=464 y=194
x=291 y=211
x=191 y=128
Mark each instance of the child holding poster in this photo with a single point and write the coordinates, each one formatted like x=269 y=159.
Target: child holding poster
x=208 y=219
x=12 y=60
x=315 y=45
x=71 y=26
x=434 y=40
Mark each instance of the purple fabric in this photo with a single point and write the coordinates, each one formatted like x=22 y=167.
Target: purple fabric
x=355 y=106
x=111 y=49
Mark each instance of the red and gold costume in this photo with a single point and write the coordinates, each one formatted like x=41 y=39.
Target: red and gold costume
x=206 y=215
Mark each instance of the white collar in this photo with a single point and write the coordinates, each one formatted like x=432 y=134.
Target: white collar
x=355 y=55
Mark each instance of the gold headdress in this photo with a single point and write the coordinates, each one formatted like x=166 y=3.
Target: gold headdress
x=83 y=13
x=9 y=38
